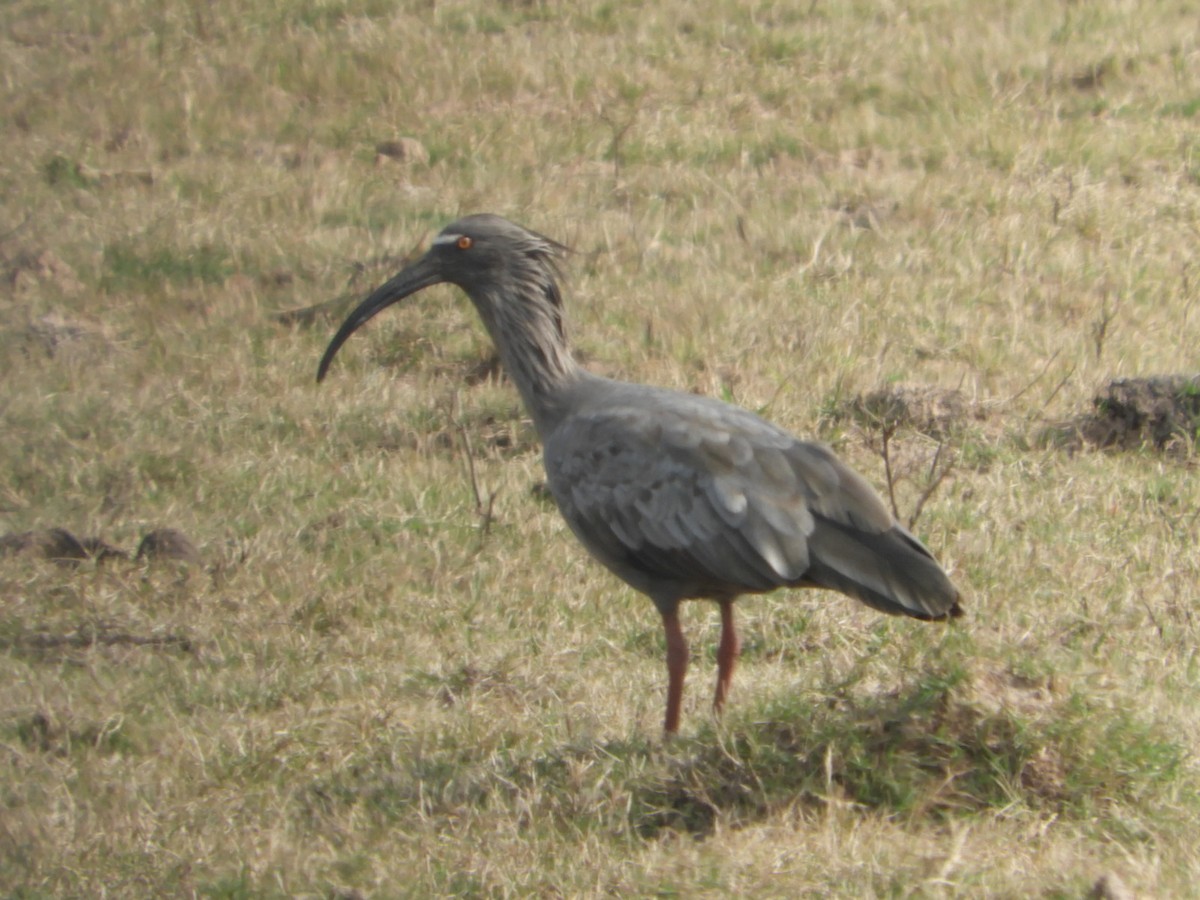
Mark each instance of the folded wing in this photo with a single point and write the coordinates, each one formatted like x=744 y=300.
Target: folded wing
x=690 y=497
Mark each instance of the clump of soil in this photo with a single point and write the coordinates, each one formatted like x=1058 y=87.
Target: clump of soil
x=60 y=545
x=167 y=543
x=1161 y=411
x=934 y=411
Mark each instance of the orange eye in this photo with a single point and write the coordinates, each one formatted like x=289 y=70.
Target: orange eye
x=464 y=243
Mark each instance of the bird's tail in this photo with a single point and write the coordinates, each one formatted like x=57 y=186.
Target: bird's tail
x=890 y=571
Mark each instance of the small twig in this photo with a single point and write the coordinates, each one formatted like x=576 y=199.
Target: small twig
x=1100 y=326
x=1153 y=618
x=618 y=134
x=939 y=469
x=816 y=250
x=932 y=482
x=484 y=511
x=1058 y=387
x=1036 y=378
x=486 y=517
x=886 y=432
x=466 y=445
x=1185 y=290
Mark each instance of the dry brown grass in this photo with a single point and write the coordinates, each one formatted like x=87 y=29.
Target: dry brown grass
x=359 y=691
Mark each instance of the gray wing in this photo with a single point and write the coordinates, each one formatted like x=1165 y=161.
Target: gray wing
x=694 y=498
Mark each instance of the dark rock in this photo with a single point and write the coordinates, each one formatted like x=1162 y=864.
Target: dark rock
x=405 y=149
x=56 y=544
x=167 y=543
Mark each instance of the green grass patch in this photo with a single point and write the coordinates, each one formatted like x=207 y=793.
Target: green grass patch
x=129 y=267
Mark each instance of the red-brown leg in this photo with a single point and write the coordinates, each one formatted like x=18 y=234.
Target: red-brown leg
x=727 y=654
x=677 y=663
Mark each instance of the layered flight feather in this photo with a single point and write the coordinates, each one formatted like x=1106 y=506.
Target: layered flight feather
x=684 y=496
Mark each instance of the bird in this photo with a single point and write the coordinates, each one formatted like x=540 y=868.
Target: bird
x=679 y=495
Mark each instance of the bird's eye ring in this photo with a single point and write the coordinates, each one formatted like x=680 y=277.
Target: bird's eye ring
x=464 y=243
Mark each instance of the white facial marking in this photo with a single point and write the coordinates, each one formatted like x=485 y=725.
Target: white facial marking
x=443 y=239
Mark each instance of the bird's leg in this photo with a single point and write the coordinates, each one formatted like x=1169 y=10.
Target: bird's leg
x=677 y=663
x=727 y=654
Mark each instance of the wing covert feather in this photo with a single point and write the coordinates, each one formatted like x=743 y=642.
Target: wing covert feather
x=686 y=498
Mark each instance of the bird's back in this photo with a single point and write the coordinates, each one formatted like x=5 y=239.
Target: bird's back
x=685 y=496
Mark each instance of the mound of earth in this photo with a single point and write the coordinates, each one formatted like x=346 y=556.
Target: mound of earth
x=1161 y=411
x=934 y=411
x=62 y=546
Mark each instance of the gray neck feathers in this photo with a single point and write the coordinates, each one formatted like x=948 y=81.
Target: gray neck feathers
x=523 y=314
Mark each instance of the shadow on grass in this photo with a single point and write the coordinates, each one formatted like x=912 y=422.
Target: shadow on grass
x=949 y=744
x=917 y=751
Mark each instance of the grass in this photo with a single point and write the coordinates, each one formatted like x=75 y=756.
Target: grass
x=373 y=688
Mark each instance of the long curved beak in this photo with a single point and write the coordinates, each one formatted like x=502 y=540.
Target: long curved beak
x=421 y=274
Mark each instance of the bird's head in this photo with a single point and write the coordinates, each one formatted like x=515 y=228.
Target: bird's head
x=486 y=255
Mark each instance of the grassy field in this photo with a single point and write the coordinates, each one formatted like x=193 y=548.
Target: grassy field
x=375 y=683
